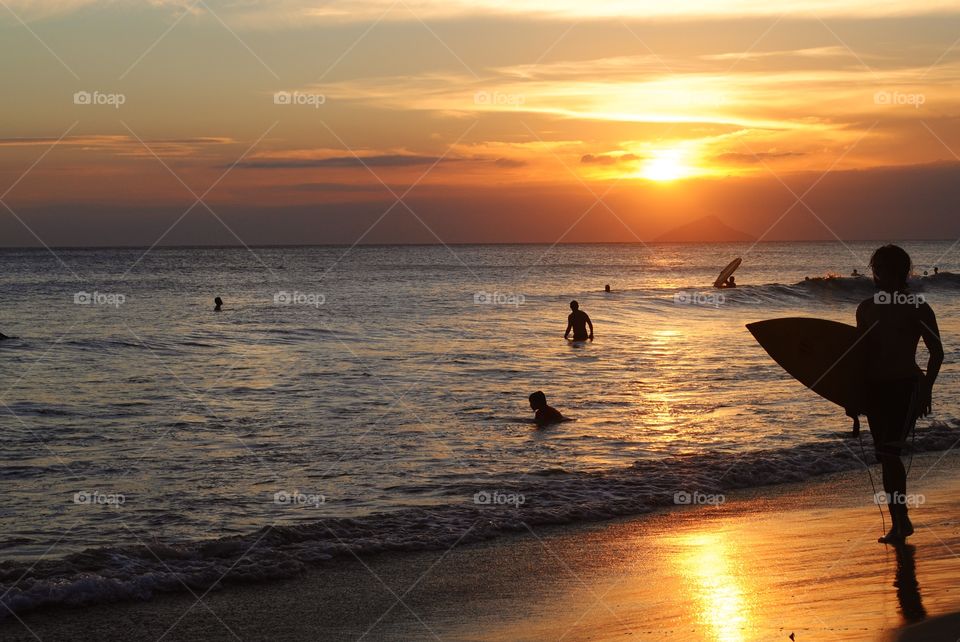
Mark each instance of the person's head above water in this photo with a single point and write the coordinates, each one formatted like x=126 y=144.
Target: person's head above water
x=538 y=400
x=574 y=306
x=606 y=288
x=217 y=302
x=891 y=267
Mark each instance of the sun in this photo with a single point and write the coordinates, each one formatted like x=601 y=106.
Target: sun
x=666 y=165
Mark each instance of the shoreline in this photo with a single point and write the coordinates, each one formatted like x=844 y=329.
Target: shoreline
x=746 y=569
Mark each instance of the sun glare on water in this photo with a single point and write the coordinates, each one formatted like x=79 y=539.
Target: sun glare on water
x=665 y=165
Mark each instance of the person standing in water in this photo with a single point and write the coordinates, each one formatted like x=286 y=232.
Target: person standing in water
x=578 y=322
x=896 y=392
x=217 y=304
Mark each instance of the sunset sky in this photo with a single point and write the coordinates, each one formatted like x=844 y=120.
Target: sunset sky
x=300 y=121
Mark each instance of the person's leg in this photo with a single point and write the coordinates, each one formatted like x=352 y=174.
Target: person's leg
x=894 y=474
x=889 y=428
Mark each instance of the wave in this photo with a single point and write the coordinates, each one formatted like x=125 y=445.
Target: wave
x=475 y=512
x=826 y=289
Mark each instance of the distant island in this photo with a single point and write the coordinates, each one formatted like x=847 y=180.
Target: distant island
x=708 y=229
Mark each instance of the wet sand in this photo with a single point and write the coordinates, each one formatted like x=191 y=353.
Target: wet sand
x=796 y=559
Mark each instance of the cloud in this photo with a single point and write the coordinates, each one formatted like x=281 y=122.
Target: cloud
x=382 y=160
x=377 y=160
x=294 y=13
x=758 y=157
x=608 y=159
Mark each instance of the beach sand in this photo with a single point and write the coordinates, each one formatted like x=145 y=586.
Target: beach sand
x=797 y=559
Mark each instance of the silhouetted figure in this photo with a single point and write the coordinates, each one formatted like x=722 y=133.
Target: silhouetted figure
x=936 y=270
x=895 y=390
x=908 y=589
x=606 y=288
x=578 y=322
x=217 y=304
x=855 y=273
x=729 y=283
x=545 y=415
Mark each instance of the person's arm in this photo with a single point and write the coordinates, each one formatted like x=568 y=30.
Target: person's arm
x=858 y=354
x=569 y=326
x=589 y=323
x=931 y=338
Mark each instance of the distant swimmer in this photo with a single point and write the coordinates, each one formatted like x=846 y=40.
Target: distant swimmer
x=217 y=304
x=855 y=273
x=729 y=283
x=936 y=270
x=546 y=415
x=578 y=322
x=606 y=288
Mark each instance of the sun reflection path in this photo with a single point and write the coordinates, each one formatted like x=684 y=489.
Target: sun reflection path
x=708 y=563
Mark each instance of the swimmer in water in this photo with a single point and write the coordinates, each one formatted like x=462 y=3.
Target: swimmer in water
x=217 y=304
x=546 y=415
x=578 y=322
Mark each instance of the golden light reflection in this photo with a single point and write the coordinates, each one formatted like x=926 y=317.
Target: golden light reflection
x=708 y=564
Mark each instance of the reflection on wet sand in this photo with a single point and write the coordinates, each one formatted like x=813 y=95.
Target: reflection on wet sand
x=720 y=598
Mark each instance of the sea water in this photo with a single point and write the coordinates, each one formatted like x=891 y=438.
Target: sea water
x=375 y=398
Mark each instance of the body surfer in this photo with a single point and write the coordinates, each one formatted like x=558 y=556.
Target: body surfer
x=896 y=391
x=578 y=322
x=545 y=415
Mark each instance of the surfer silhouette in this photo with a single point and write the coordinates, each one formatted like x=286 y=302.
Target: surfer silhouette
x=731 y=283
x=217 y=304
x=896 y=392
x=578 y=322
x=545 y=415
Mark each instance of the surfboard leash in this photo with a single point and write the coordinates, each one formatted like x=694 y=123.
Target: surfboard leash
x=863 y=453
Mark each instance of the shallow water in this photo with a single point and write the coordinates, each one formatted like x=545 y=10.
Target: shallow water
x=382 y=379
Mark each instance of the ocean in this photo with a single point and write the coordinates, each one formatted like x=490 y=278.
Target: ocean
x=367 y=399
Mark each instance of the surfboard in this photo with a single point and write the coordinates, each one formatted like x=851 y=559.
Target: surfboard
x=727 y=272
x=816 y=352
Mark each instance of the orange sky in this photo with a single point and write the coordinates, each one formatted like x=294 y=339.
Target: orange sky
x=296 y=121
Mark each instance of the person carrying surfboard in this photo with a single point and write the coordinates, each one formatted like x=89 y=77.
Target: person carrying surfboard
x=896 y=392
